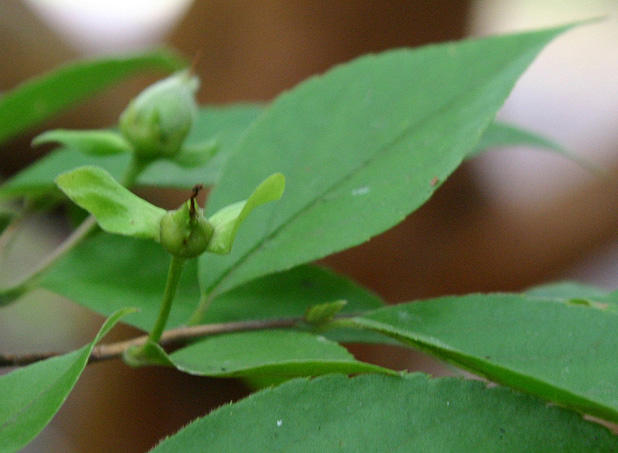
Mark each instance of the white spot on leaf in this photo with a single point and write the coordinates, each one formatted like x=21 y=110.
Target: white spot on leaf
x=360 y=191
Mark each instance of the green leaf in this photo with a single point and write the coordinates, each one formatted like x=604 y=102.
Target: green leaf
x=387 y=413
x=37 y=180
x=227 y=220
x=268 y=354
x=224 y=124
x=41 y=97
x=196 y=155
x=116 y=209
x=360 y=148
x=502 y=134
x=94 y=142
x=320 y=314
x=106 y=271
x=30 y=396
x=263 y=358
x=578 y=293
x=567 y=290
x=546 y=347
x=148 y=354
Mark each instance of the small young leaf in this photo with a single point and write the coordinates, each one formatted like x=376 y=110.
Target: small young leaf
x=30 y=396
x=546 y=347
x=147 y=355
x=116 y=209
x=389 y=413
x=323 y=313
x=227 y=220
x=93 y=142
x=41 y=97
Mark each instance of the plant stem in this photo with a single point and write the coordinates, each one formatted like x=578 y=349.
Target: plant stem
x=74 y=238
x=179 y=335
x=135 y=168
x=173 y=277
x=9 y=232
x=172 y=336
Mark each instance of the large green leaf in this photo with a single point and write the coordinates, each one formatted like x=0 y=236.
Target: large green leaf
x=561 y=350
x=361 y=147
x=225 y=124
x=116 y=208
x=108 y=272
x=386 y=413
x=30 y=396
x=41 y=97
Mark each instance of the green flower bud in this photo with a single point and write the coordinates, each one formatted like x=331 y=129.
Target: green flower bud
x=185 y=232
x=158 y=120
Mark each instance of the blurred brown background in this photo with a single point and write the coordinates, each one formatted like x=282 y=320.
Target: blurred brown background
x=481 y=232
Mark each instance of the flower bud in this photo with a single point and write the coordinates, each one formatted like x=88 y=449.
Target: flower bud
x=185 y=232
x=158 y=120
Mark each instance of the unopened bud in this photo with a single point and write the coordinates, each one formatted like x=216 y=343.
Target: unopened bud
x=185 y=232
x=158 y=120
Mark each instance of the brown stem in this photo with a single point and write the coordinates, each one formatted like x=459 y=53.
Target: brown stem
x=179 y=335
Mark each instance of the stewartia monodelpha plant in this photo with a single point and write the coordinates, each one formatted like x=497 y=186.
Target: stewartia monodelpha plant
x=361 y=147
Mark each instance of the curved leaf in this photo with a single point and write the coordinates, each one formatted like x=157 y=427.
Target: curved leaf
x=30 y=396
x=266 y=355
x=116 y=208
x=561 y=350
x=501 y=134
x=41 y=97
x=361 y=147
x=386 y=413
x=93 y=142
x=227 y=221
